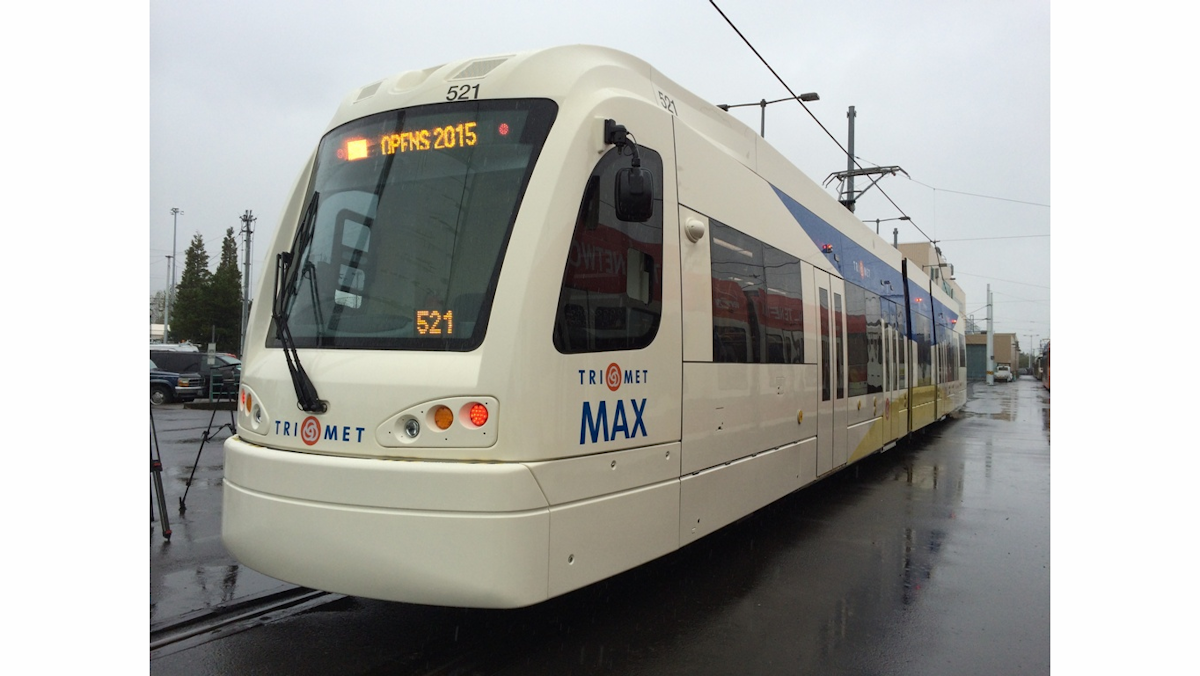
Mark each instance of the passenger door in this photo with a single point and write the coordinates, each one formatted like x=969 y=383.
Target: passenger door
x=831 y=408
x=841 y=408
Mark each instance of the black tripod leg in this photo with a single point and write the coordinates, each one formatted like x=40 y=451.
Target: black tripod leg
x=156 y=481
x=188 y=487
x=203 y=439
x=156 y=478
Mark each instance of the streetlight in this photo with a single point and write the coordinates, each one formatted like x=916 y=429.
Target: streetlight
x=167 y=301
x=885 y=220
x=175 y=211
x=762 y=131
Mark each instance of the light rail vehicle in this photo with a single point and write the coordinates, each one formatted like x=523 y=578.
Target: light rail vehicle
x=537 y=319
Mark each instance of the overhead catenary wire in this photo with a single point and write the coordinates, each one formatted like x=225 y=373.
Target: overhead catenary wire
x=972 y=194
x=814 y=117
x=981 y=239
x=959 y=192
x=997 y=279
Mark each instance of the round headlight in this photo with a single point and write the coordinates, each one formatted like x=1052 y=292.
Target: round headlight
x=412 y=428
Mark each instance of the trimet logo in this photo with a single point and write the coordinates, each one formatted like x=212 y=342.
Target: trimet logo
x=310 y=430
x=612 y=377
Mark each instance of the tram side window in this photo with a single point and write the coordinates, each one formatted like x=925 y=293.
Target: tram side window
x=825 y=374
x=611 y=297
x=943 y=360
x=839 y=375
x=874 y=344
x=938 y=365
x=758 y=312
x=864 y=340
x=784 y=319
x=903 y=352
x=856 y=338
x=923 y=333
x=738 y=285
x=951 y=356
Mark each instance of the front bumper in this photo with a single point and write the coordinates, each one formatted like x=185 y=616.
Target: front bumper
x=439 y=533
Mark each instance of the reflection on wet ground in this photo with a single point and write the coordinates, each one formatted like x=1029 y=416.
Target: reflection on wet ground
x=932 y=558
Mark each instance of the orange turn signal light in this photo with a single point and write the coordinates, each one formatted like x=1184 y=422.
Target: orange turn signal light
x=443 y=417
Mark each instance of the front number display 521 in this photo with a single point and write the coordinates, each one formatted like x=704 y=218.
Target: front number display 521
x=462 y=93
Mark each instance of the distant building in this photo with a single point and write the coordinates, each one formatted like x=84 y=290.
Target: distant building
x=931 y=261
x=1007 y=350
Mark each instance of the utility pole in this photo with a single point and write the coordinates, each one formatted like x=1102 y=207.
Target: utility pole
x=247 y=221
x=991 y=342
x=849 y=196
x=849 y=201
x=175 y=211
x=167 y=299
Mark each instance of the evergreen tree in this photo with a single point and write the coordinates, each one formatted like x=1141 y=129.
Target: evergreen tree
x=190 y=313
x=225 y=297
x=158 y=307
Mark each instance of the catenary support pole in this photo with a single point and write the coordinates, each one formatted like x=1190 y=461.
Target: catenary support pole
x=849 y=201
x=175 y=211
x=991 y=342
x=247 y=230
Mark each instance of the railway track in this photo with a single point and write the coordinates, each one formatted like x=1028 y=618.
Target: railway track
x=223 y=622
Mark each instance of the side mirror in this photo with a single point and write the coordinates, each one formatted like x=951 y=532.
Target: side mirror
x=634 y=185
x=635 y=194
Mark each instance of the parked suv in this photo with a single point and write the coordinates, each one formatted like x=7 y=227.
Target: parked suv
x=1003 y=372
x=229 y=368
x=167 y=386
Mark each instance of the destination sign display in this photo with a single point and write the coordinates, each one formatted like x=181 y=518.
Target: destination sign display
x=447 y=137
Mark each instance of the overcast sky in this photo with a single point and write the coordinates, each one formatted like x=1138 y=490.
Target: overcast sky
x=955 y=93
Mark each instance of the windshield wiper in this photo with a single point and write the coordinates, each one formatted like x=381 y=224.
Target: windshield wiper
x=285 y=282
x=310 y=273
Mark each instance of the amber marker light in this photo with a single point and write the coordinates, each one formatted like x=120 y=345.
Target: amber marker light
x=478 y=415
x=356 y=149
x=443 y=417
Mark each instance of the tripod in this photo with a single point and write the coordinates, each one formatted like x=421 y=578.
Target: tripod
x=156 y=481
x=208 y=434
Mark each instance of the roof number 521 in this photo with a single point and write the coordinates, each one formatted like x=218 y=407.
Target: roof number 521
x=667 y=103
x=462 y=93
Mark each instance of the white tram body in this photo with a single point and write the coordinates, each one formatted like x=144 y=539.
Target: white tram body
x=644 y=383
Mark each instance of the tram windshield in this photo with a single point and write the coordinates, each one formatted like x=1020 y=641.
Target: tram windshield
x=414 y=214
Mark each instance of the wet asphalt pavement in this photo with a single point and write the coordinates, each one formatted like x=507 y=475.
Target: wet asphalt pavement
x=191 y=574
x=932 y=558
